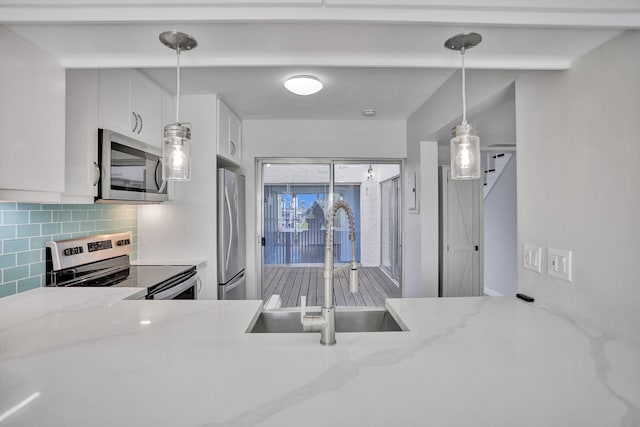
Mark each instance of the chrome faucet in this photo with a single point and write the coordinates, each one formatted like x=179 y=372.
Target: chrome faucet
x=326 y=322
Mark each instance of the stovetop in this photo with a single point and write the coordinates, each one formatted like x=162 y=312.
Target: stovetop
x=148 y=276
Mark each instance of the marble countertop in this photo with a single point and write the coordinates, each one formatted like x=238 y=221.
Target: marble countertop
x=87 y=357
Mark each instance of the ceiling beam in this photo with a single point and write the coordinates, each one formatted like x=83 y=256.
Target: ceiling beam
x=565 y=13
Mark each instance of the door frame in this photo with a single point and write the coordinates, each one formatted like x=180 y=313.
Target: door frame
x=331 y=161
x=399 y=247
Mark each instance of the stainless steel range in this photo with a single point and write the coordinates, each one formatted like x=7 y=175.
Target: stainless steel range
x=103 y=260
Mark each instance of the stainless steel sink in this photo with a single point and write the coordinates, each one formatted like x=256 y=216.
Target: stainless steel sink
x=347 y=320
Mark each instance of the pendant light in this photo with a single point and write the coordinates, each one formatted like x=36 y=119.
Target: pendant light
x=465 y=143
x=176 y=141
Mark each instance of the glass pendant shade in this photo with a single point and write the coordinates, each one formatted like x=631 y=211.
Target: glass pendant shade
x=176 y=139
x=465 y=153
x=176 y=152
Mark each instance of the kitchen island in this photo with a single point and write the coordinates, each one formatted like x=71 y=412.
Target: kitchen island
x=90 y=357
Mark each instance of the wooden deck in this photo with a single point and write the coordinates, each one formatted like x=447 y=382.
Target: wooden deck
x=291 y=282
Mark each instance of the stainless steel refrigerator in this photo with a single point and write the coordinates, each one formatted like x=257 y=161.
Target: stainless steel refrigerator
x=231 y=235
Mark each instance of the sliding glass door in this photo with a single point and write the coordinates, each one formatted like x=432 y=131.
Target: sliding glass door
x=296 y=199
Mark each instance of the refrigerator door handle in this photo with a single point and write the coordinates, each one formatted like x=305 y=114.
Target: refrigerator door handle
x=226 y=196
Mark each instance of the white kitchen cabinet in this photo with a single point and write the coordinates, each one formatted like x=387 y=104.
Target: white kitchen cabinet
x=81 y=169
x=32 y=84
x=229 y=135
x=105 y=99
x=130 y=104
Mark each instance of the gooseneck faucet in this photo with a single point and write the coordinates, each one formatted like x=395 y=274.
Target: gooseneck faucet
x=326 y=322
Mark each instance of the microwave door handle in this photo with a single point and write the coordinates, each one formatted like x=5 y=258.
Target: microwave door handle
x=155 y=177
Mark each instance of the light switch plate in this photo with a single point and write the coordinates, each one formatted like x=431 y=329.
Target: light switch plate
x=533 y=258
x=559 y=263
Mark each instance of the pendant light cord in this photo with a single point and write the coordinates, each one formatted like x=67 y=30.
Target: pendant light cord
x=464 y=90
x=178 y=87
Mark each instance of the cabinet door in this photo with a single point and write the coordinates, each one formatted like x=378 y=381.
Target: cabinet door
x=235 y=135
x=81 y=168
x=147 y=106
x=32 y=121
x=229 y=134
x=115 y=111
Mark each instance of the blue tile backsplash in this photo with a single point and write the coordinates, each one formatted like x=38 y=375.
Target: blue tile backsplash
x=26 y=227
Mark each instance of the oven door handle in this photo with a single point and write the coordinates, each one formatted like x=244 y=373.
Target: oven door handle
x=175 y=287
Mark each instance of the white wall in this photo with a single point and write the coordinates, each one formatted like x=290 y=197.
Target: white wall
x=358 y=139
x=420 y=243
x=578 y=152
x=500 y=234
x=184 y=230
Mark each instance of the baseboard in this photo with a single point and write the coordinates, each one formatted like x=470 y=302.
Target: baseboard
x=492 y=293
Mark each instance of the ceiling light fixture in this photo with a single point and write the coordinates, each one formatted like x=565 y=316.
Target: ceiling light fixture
x=303 y=85
x=465 y=143
x=369 y=112
x=176 y=141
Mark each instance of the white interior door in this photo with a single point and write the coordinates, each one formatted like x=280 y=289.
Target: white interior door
x=462 y=236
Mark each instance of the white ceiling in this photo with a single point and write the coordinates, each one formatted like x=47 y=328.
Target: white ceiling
x=369 y=53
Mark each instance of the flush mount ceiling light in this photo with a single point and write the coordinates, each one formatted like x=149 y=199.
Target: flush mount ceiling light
x=176 y=141
x=465 y=143
x=303 y=85
x=369 y=112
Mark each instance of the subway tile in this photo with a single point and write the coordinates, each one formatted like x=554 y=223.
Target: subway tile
x=29 y=206
x=7 y=206
x=28 y=257
x=15 y=245
x=79 y=235
x=15 y=273
x=102 y=225
x=51 y=228
x=8 y=260
x=15 y=217
x=39 y=216
x=87 y=207
x=70 y=227
x=87 y=225
x=58 y=237
x=78 y=215
x=94 y=215
x=37 y=268
x=7 y=289
x=38 y=242
x=30 y=230
x=28 y=284
x=54 y=207
x=7 y=232
x=61 y=216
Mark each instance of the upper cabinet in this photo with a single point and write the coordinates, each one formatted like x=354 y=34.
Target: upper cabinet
x=124 y=101
x=32 y=84
x=229 y=135
x=130 y=104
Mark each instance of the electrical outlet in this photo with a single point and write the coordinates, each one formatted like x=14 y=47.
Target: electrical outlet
x=559 y=263
x=533 y=258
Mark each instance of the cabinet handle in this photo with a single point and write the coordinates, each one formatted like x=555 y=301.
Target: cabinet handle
x=135 y=126
x=141 y=123
x=232 y=148
x=96 y=177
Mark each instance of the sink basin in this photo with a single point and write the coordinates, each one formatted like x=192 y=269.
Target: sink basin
x=347 y=320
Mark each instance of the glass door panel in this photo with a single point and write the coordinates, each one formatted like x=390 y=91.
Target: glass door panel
x=296 y=197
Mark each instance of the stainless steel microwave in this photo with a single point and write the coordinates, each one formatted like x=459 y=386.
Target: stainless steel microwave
x=130 y=170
